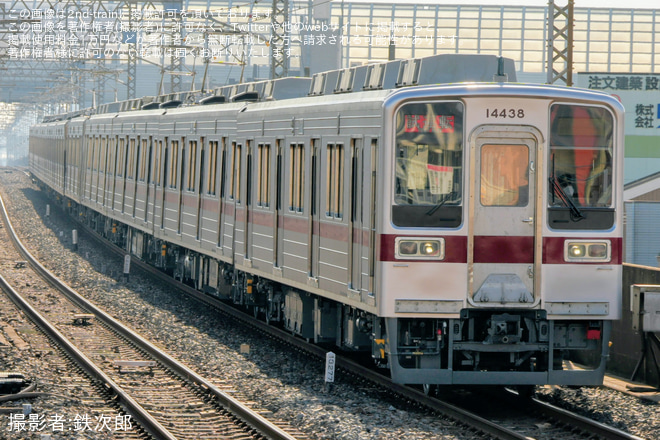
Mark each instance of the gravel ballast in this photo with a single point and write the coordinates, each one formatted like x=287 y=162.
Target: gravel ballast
x=279 y=379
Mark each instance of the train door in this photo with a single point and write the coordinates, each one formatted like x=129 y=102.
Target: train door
x=100 y=172
x=109 y=169
x=203 y=171
x=190 y=200
x=140 y=147
x=64 y=171
x=313 y=229
x=180 y=184
x=248 y=228
x=148 y=177
x=165 y=181
x=369 y=251
x=79 y=161
x=234 y=195
x=119 y=177
x=125 y=164
x=98 y=162
x=142 y=180
x=116 y=164
x=86 y=177
x=355 y=218
x=278 y=238
x=157 y=178
x=223 y=185
x=504 y=245
x=90 y=163
x=100 y=180
x=129 y=177
x=97 y=168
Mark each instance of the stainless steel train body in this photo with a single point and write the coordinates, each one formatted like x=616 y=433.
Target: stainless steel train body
x=466 y=233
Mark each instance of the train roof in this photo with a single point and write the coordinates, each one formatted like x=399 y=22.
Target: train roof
x=437 y=69
x=509 y=89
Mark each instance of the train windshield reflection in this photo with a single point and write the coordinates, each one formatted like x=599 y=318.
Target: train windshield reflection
x=581 y=154
x=429 y=154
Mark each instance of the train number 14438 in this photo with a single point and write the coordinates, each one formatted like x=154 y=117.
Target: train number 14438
x=504 y=113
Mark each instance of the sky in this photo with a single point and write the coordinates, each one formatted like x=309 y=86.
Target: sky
x=627 y=4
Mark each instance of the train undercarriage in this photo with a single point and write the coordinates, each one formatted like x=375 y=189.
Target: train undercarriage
x=494 y=344
x=499 y=347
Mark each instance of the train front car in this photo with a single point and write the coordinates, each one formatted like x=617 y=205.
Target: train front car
x=500 y=250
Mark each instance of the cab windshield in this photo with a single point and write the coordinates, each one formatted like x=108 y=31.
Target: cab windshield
x=428 y=165
x=580 y=166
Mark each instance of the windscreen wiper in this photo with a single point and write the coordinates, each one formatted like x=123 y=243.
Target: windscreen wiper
x=576 y=214
x=444 y=200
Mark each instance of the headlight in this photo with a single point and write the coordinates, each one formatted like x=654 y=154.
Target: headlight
x=587 y=251
x=577 y=250
x=420 y=248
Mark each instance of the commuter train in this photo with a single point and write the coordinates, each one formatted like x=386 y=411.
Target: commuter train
x=458 y=226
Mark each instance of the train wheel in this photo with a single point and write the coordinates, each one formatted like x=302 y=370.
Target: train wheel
x=270 y=311
x=430 y=390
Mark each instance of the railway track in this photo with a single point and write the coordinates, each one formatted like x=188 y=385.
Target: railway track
x=580 y=423
x=160 y=396
x=564 y=424
x=52 y=375
x=530 y=416
x=491 y=427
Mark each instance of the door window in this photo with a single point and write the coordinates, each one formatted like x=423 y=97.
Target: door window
x=504 y=175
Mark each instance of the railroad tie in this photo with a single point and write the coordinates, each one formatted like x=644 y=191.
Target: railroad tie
x=82 y=318
x=119 y=364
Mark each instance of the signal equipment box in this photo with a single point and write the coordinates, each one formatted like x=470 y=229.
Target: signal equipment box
x=645 y=306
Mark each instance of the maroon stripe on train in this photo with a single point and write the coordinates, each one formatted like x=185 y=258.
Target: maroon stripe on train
x=190 y=200
x=496 y=249
x=210 y=205
x=487 y=249
x=240 y=214
x=501 y=249
x=228 y=209
x=171 y=197
x=262 y=218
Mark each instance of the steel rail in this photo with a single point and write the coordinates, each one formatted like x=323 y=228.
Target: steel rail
x=601 y=430
x=148 y=423
x=242 y=412
x=140 y=415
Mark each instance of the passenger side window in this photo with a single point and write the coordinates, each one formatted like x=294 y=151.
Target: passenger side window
x=263 y=175
x=296 y=177
x=174 y=164
x=334 y=193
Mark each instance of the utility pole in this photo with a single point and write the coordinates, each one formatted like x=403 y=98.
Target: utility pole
x=280 y=44
x=560 y=43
